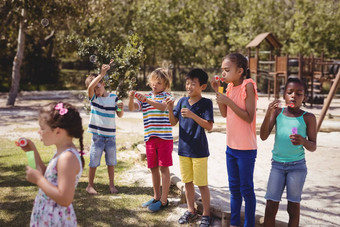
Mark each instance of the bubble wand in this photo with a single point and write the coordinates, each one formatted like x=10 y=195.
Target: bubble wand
x=22 y=142
x=220 y=88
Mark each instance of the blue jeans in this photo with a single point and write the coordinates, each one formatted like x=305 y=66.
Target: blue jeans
x=100 y=144
x=240 y=166
x=289 y=175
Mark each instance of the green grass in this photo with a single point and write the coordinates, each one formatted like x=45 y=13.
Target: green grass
x=123 y=209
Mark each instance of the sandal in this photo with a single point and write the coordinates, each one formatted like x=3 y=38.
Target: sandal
x=205 y=221
x=187 y=217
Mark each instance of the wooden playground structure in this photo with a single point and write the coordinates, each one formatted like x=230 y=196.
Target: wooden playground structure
x=276 y=69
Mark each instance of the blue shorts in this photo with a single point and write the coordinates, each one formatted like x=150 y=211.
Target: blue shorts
x=291 y=175
x=100 y=144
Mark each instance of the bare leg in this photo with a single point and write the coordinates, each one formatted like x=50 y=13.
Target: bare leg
x=111 y=172
x=205 y=194
x=190 y=196
x=294 y=214
x=165 y=183
x=270 y=213
x=90 y=187
x=156 y=182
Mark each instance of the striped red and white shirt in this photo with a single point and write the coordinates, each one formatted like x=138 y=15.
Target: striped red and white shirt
x=156 y=122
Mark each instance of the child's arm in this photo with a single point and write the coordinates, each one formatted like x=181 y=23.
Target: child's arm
x=38 y=162
x=170 y=104
x=222 y=107
x=247 y=114
x=158 y=105
x=132 y=105
x=269 y=120
x=208 y=125
x=310 y=142
x=68 y=167
x=95 y=81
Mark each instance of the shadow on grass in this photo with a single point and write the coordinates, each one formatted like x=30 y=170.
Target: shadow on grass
x=16 y=178
x=122 y=209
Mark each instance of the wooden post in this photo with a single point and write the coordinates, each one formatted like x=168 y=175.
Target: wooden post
x=330 y=96
x=300 y=66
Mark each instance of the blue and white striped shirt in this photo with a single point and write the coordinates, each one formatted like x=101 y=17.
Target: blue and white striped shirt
x=103 y=113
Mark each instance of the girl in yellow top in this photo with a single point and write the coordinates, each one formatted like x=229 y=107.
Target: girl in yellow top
x=238 y=105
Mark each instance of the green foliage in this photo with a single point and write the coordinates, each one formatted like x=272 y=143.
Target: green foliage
x=182 y=33
x=126 y=60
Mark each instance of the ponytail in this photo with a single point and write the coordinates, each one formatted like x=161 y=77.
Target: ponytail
x=248 y=73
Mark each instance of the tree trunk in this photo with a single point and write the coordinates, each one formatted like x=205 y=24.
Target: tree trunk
x=12 y=95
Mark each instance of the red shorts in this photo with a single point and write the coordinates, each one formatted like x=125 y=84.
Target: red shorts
x=159 y=152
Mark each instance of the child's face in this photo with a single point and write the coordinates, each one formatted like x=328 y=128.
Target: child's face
x=157 y=86
x=294 y=94
x=230 y=72
x=193 y=87
x=46 y=133
x=99 y=90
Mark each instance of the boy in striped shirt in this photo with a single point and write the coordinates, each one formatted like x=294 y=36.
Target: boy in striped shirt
x=104 y=107
x=157 y=135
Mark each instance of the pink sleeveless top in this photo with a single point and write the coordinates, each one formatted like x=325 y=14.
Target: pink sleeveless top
x=240 y=134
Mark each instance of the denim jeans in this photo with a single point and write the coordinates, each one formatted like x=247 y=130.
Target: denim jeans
x=100 y=144
x=240 y=166
x=289 y=175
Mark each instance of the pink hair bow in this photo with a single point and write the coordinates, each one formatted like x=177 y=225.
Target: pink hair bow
x=60 y=107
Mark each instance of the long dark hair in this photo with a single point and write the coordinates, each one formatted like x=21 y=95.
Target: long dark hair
x=70 y=121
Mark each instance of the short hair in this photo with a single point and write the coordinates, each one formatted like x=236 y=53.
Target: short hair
x=297 y=81
x=198 y=73
x=90 y=78
x=161 y=74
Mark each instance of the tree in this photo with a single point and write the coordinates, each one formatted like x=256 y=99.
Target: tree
x=32 y=14
x=18 y=59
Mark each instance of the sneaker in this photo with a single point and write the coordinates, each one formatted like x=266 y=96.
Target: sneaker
x=154 y=207
x=187 y=217
x=148 y=203
x=205 y=221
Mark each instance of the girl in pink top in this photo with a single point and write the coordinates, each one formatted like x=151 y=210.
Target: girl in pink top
x=238 y=105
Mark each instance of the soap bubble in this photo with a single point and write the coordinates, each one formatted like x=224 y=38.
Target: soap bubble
x=130 y=32
x=133 y=79
x=93 y=58
x=106 y=77
x=44 y=22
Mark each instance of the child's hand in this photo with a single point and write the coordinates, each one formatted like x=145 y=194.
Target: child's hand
x=185 y=112
x=120 y=105
x=140 y=97
x=33 y=175
x=170 y=103
x=222 y=99
x=29 y=147
x=132 y=94
x=214 y=84
x=273 y=106
x=297 y=139
x=105 y=67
